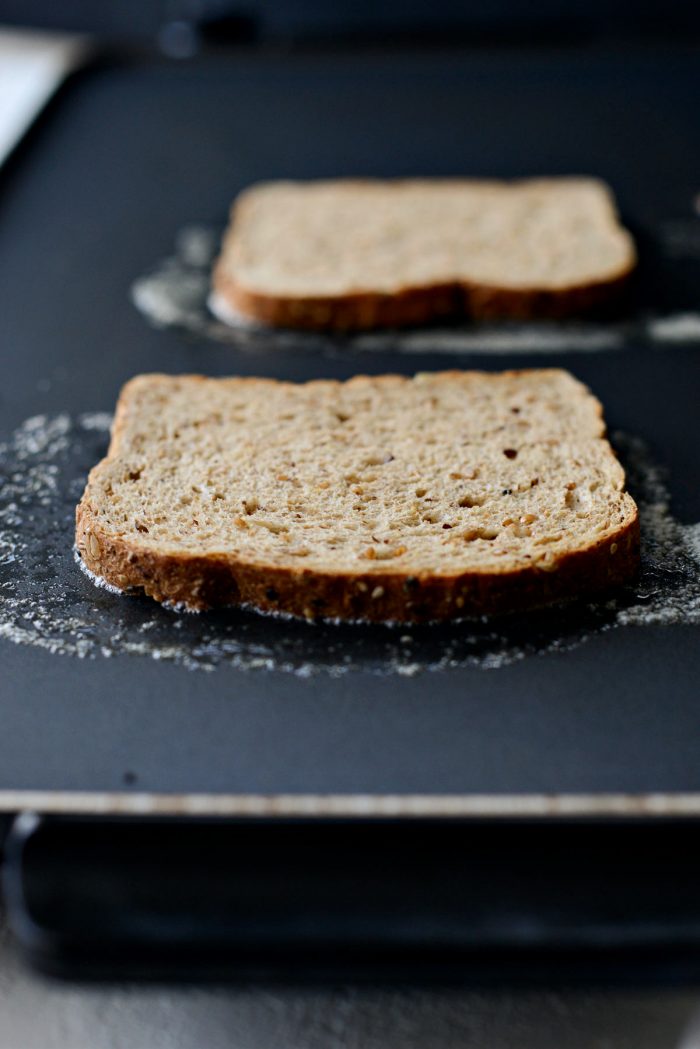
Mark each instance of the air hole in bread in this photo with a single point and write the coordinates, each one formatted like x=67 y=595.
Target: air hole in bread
x=471 y=500
x=489 y=534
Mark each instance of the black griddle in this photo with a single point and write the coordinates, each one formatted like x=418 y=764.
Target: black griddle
x=154 y=783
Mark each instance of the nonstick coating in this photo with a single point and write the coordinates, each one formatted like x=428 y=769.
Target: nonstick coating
x=128 y=155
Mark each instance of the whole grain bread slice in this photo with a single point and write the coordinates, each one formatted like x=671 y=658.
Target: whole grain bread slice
x=350 y=254
x=380 y=498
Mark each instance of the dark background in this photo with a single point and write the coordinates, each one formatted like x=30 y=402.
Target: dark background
x=385 y=21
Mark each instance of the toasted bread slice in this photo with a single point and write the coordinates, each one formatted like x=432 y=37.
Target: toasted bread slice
x=380 y=498
x=350 y=254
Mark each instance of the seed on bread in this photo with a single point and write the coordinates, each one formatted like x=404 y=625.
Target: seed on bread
x=414 y=544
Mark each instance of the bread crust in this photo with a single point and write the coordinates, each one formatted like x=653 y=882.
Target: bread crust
x=413 y=307
x=219 y=579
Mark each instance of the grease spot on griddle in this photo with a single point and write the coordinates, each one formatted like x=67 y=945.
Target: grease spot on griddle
x=47 y=602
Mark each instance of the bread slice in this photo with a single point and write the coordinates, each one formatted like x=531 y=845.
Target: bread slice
x=349 y=254
x=380 y=498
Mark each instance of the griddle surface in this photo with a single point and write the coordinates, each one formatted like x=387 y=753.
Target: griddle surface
x=121 y=161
